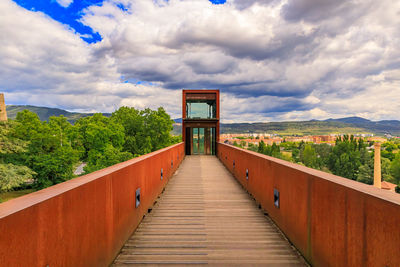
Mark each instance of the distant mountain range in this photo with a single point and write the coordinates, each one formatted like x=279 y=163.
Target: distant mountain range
x=352 y=125
x=45 y=113
x=384 y=126
x=349 y=125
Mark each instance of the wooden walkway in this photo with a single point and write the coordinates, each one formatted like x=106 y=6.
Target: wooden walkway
x=205 y=217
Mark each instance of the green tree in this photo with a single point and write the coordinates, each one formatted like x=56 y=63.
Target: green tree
x=53 y=168
x=296 y=155
x=10 y=144
x=135 y=137
x=365 y=174
x=12 y=176
x=345 y=159
x=157 y=126
x=309 y=157
x=100 y=136
x=301 y=145
x=389 y=146
x=322 y=155
x=145 y=131
x=252 y=147
x=387 y=154
x=395 y=168
x=49 y=153
x=286 y=157
x=386 y=172
x=275 y=151
x=61 y=128
x=28 y=125
x=49 y=150
x=176 y=139
x=109 y=156
x=262 y=147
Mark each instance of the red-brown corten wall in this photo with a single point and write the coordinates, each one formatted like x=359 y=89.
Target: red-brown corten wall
x=331 y=220
x=84 y=221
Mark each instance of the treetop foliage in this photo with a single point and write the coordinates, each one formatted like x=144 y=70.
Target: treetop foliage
x=350 y=157
x=48 y=152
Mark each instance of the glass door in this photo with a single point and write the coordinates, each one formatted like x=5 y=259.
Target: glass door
x=201 y=141
x=195 y=139
x=198 y=141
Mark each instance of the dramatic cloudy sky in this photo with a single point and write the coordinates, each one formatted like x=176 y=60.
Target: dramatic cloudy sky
x=271 y=59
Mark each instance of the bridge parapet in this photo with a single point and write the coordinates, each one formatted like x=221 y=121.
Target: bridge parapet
x=84 y=221
x=331 y=220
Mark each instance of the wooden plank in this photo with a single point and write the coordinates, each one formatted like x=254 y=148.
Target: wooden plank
x=205 y=217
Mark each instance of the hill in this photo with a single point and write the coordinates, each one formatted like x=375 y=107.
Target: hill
x=352 y=125
x=295 y=128
x=378 y=127
x=349 y=125
x=45 y=113
x=350 y=120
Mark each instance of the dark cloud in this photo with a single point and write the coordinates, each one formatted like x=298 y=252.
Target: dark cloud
x=312 y=10
x=243 y=4
x=266 y=89
x=210 y=65
x=238 y=45
x=317 y=10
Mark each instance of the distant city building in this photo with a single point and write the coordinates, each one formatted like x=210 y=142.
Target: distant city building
x=269 y=139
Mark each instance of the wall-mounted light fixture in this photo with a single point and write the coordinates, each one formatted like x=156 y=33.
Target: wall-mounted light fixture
x=276 y=197
x=137 y=198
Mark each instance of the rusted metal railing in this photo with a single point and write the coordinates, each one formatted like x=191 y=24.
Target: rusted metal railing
x=84 y=221
x=331 y=220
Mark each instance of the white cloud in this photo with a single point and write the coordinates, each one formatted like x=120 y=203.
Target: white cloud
x=273 y=60
x=64 y=3
x=45 y=63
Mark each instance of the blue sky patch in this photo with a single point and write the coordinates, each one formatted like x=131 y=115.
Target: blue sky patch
x=218 y=2
x=69 y=15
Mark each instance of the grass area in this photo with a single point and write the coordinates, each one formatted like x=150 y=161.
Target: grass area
x=14 y=194
x=287 y=153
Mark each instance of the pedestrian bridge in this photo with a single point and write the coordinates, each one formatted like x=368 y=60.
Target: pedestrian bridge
x=239 y=208
x=205 y=217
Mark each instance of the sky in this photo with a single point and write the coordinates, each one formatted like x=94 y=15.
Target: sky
x=273 y=60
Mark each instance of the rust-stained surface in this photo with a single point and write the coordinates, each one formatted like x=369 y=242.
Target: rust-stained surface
x=333 y=221
x=205 y=217
x=84 y=221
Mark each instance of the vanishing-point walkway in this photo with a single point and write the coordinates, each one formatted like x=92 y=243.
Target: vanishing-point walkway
x=205 y=217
